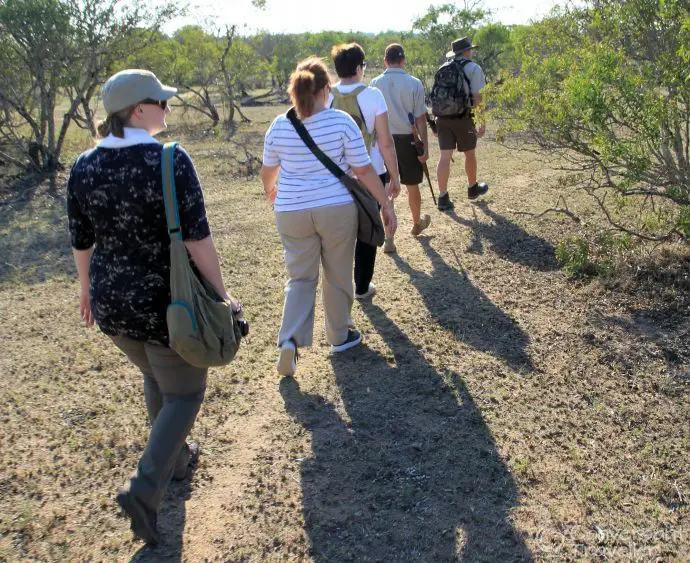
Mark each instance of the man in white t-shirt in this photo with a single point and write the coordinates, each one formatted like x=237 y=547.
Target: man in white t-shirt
x=367 y=106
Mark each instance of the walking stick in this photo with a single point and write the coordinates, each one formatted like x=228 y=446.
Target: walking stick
x=419 y=146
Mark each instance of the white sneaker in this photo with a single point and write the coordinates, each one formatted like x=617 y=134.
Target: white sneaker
x=370 y=292
x=287 y=359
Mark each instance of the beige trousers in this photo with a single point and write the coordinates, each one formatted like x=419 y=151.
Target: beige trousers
x=321 y=236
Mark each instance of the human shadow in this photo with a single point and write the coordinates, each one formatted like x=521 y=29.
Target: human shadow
x=459 y=306
x=171 y=523
x=508 y=240
x=414 y=475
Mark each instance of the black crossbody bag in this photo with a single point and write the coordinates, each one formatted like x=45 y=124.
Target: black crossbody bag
x=370 y=227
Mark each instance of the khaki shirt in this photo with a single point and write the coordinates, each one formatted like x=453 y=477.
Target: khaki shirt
x=404 y=95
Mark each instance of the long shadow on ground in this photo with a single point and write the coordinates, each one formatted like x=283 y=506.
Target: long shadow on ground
x=171 y=522
x=415 y=476
x=459 y=306
x=510 y=241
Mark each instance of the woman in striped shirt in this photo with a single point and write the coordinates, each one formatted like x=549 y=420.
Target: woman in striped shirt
x=315 y=213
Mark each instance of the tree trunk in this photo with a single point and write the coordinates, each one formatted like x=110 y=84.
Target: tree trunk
x=215 y=117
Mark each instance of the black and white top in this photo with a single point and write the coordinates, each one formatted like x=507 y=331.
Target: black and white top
x=305 y=183
x=115 y=202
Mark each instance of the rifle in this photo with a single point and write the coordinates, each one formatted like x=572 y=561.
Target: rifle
x=419 y=146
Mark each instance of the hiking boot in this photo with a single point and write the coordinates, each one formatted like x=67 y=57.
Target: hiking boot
x=477 y=189
x=143 y=519
x=187 y=458
x=370 y=292
x=389 y=245
x=444 y=202
x=287 y=359
x=352 y=340
x=423 y=223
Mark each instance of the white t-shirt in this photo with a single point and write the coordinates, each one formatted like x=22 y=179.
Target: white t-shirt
x=303 y=182
x=372 y=103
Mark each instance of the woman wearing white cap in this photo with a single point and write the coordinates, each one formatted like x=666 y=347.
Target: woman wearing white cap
x=121 y=248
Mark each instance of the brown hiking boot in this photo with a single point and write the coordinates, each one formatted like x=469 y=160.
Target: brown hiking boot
x=424 y=222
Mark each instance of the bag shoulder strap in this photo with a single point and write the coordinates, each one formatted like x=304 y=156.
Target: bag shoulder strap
x=172 y=212
x=318 y=153
x=347 y=103
x=461 y=67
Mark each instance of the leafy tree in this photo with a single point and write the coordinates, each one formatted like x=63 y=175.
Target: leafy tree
x=239 y=63
x=494 y=48
x=57 y=50
x=441 y=25
x=284 y=57
x=198 y=69
x=607 y=88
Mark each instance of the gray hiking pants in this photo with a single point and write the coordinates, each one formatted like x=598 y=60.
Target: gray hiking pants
x=173 y=391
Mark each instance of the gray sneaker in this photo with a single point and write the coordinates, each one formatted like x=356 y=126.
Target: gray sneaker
x=424 y=222
x=389 y=245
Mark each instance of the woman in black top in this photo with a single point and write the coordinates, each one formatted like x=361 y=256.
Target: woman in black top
x=121 y=249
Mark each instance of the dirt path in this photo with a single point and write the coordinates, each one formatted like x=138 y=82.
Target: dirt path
x=495 y=412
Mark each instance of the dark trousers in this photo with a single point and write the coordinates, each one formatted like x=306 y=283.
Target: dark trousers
x=365 y=258
x=173 y=391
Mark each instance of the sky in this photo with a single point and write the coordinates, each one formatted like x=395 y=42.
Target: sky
x=280 y=16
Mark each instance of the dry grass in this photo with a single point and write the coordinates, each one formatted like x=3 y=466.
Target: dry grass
x=496 y=411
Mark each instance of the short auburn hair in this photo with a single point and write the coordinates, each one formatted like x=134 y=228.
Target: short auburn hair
x=309 y=79
x=346 y=58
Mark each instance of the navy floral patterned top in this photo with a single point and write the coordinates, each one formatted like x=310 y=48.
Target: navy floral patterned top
x=115 y=201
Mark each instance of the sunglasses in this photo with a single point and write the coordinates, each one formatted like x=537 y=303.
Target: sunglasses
x=364 y=65
x=163 y=104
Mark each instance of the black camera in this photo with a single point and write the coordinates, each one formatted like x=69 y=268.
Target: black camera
x=419 y=148
x=243 y=326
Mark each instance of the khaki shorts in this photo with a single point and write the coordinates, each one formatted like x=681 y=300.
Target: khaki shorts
x=456 y=132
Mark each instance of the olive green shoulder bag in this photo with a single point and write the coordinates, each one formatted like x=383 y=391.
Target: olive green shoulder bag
x=202 y=327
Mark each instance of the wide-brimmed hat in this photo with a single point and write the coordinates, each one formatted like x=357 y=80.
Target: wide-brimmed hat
x=131 y=86
x=460 y=46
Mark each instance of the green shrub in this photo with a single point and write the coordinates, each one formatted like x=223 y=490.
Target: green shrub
x=684 y=222
x=572 y=254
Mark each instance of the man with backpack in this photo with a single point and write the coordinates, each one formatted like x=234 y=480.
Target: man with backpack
x=456 y=91
x=367 y=107
x=404 y=96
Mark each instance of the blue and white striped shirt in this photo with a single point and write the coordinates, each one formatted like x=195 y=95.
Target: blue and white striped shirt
x=305 y=183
